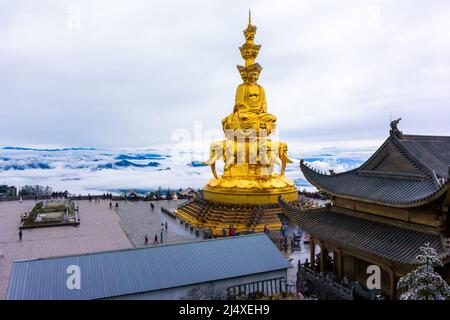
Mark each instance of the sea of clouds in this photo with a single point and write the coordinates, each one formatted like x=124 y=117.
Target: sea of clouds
x=96 y=171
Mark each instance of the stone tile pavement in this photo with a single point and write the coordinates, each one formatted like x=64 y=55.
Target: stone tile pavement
x=102 y=228
x=138 y=220
x=99 y=230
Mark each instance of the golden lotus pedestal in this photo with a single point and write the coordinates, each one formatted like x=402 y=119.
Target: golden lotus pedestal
x=251 y=196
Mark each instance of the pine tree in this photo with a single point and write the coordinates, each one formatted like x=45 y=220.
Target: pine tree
x=423 y=283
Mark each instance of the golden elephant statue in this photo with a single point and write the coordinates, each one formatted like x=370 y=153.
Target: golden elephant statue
x=276 y=153
x=271 y=153
x=218 y=151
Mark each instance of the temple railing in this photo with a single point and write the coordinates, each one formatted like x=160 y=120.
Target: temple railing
x=169 y=212
x=184 y=202
x=268 y=287
x=322 y=286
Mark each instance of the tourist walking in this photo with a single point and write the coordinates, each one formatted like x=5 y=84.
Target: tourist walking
x=20 y=235
x=110 y=205
x=156 y=239
x=161 y=237
x=166 y=226
x=146 y=240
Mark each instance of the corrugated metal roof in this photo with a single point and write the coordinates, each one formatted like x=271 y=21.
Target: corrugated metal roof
x=116 y=273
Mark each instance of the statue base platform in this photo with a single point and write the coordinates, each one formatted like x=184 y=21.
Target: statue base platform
x=215 y=217
x=250 y=190
x=250 y=196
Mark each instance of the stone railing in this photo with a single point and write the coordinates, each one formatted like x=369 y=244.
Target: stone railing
x=170 y=212
x=322 y=286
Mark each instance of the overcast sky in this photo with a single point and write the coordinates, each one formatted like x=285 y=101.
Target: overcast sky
x=130 y=73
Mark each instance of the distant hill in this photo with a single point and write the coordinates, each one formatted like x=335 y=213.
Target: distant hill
x=48 y=150
x=126 y=164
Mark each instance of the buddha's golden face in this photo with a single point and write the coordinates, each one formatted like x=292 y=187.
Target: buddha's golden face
x=250 y=36
x=253 y=77
x=244 y=76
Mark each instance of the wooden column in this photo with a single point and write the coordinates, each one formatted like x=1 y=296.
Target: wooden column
x=340 y=264
x=312 y=251
x=393 y=283
x=323 y=257
x=335 y=262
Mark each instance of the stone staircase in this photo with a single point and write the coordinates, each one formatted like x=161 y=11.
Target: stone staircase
x=245 y=218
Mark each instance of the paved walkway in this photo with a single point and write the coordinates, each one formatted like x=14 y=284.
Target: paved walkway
x=138 y=220
x=99 y=230
x=295 y=255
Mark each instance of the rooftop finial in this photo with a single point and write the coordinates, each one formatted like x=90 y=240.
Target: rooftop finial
x=249 y=17
x=394 y=128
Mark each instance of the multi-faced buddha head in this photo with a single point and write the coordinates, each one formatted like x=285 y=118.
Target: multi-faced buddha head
x=253 y=72
x=250 y=32
x=249 y=52
x=243 y=73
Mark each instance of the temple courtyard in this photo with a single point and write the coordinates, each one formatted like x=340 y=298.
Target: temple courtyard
x=101 y=229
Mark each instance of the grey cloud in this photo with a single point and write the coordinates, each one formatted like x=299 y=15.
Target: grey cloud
x=138 y=70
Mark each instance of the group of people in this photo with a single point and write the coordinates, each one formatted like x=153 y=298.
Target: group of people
x=284 y=237
x=230 y=231
x=111 y=205
x=164 y=227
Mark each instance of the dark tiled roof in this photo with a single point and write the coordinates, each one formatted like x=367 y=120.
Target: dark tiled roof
x=432 y=151
x=429 y=155
x=385 y=241
x=386 y=190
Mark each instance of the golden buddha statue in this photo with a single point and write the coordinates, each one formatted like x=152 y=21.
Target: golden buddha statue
x=250 y=157
x=250 y=108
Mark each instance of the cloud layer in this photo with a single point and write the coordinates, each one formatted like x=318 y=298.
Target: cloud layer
x=82 y=171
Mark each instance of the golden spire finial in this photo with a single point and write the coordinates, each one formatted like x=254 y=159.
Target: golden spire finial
x=249 y=49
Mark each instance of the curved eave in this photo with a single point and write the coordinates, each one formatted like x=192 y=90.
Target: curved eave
x=430 y=197
x=364 y=236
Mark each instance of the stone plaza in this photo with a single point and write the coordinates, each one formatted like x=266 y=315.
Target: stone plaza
x=101 y=229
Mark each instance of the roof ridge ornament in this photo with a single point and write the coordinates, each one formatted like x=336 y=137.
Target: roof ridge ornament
x=394 y=129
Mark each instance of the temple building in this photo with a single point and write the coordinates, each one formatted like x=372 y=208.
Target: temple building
x=246 y=194
x=381 y=213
